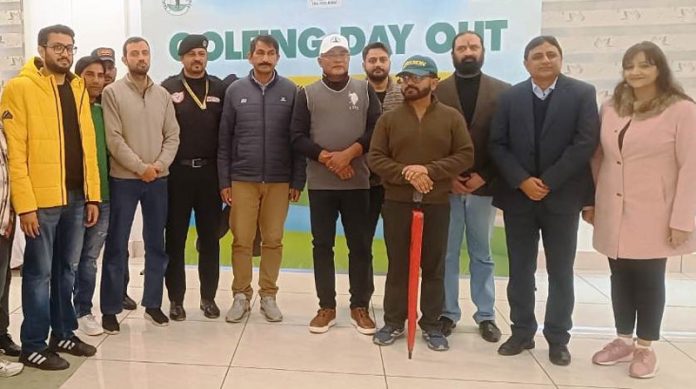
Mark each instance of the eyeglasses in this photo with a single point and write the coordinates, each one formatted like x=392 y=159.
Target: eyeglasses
x=406 y=78
x=59 y=49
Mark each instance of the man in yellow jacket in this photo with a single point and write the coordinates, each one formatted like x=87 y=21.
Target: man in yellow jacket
x=55 y=189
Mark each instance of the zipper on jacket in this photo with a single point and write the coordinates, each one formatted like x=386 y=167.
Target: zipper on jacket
x=82 y=144
x=263 y=134
x=60 y=142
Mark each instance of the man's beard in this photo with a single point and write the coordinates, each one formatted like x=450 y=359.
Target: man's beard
x=421 y=93
x=378 y=77
x=54 y=67
x=139 y=71
x=468 y=68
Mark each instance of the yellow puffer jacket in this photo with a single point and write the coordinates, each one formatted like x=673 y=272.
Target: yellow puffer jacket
x=31 y=114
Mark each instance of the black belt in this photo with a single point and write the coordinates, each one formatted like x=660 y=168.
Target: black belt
x=195 y=162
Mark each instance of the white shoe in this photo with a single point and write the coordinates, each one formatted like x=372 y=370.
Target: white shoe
x=9 y=369
x=89 y=325
x=270 y=309
x=240 y=307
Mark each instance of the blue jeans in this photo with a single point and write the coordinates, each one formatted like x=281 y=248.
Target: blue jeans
x=50 y=263
x=86 y=279
x=125 y=196
x=475 y=215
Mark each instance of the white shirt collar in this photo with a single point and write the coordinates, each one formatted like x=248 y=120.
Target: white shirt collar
x=543 y=93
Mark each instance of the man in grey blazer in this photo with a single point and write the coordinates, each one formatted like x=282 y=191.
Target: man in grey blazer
x=542 y=138
x=474 y=95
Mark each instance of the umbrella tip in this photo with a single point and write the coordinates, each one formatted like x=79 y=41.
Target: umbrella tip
x=410 y=354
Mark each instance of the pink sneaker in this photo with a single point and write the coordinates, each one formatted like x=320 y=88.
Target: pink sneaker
x=613 y=353
x=644 y=364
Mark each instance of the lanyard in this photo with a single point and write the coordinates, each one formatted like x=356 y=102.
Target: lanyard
x=201 y=105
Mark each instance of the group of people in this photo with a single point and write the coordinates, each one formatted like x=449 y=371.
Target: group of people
x=84 y=149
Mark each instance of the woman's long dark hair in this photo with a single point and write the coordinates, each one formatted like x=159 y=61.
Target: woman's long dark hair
x=666 y=85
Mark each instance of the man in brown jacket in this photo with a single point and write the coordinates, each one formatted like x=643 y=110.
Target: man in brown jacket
x=474 y=95
x=417 y=149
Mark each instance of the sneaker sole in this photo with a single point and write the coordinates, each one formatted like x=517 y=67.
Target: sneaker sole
x=629 y=358
x=362 y=330
x=111 y=332
x=92 y=333
x=154 y=322
x=45 y=368
x=321 y=330
x=240 y=319
x=269 y=318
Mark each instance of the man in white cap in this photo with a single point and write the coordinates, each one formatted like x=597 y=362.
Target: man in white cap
x=332 y=126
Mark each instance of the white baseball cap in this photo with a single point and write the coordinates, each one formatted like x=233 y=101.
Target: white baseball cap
x=333 y=40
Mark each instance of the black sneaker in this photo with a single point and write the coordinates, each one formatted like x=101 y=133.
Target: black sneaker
x=110 y=324
x=129 y=304
x=177 y=312
x=73 y=346
x=43 y=360
x=8 y=347
x=156 y=317
x=447 y=325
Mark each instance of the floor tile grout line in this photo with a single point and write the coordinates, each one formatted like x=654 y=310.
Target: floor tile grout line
x=381 y=356
x=309 y=371
x=680 y=349
x=157 y=362
x=239 y=341
x=542 y=368
x=594 y=286
x=466 y=380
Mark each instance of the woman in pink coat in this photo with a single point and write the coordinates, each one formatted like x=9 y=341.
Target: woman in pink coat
x=645 y=202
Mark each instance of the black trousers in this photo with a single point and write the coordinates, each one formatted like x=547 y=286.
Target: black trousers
x=397 y=236
x=559 y=232
x=5 y=279
x=374 y=210
x=638 y=293
x=324 y=208
x=193 y=189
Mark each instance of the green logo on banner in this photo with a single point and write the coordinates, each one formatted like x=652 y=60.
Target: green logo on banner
x=177 y=7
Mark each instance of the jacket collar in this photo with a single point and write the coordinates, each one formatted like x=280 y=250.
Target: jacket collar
x=131 y=84
x=256 y=82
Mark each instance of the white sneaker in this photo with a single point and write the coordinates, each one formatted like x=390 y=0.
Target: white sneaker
x=270 y=309
x=9 y=369
x=89 y=325
x=240 y=307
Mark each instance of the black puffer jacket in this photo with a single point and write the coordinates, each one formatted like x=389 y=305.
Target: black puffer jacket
x=255 y=134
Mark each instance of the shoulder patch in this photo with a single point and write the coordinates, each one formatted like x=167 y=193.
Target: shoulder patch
x=7 y=115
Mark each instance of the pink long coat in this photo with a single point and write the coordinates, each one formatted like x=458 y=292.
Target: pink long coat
x=647 y=187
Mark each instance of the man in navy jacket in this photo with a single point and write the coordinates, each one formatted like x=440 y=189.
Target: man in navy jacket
x=542 y=138
x=259 y=173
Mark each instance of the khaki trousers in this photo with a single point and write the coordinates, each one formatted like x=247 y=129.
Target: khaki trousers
x=265 y=205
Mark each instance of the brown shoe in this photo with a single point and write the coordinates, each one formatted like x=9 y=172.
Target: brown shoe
x=325 y=318
x=360 y=318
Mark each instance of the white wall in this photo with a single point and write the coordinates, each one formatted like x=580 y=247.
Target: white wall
x=97 y=23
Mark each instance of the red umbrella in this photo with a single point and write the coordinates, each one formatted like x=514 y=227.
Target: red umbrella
x=413 y=272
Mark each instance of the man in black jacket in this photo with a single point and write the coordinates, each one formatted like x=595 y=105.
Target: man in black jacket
x=192 y=183
x=543 y=135
x=259 y=174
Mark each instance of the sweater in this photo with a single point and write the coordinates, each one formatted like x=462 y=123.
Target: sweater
x=141 y=128
x=439 y=141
